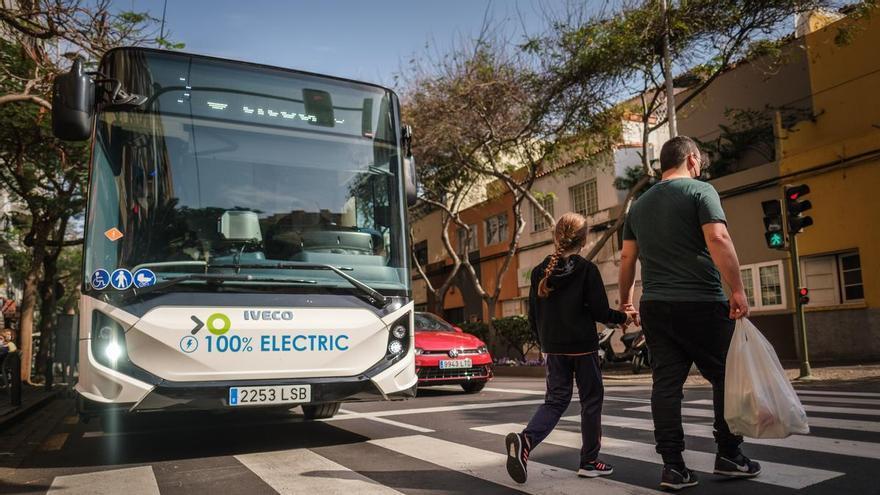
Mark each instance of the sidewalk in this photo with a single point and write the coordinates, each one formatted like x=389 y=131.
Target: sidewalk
x=32 y=398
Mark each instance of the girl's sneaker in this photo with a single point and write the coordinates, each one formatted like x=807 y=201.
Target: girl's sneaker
x=517 y=456
x=594 y=469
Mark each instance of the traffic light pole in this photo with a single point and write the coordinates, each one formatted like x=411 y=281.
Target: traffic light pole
x=800 y=323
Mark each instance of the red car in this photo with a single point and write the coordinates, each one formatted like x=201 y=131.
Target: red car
x=445 y=355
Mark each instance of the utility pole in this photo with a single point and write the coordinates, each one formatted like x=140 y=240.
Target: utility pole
x=667 y=74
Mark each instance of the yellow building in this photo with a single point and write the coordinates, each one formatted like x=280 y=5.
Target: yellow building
x=837 y=154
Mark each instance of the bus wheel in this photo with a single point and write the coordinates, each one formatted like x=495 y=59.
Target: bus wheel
x=473 y=387
x=320 y=411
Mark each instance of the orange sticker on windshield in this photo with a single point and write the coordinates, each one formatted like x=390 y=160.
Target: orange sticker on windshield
x=113 y=234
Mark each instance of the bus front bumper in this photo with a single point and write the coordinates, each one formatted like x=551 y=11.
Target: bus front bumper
x=385 y=381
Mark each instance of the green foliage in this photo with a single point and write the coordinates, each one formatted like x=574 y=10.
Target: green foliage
x=631 y=176
x=478 y=329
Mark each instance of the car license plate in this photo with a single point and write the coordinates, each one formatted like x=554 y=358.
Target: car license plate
x=276 y=394
x=455 y=363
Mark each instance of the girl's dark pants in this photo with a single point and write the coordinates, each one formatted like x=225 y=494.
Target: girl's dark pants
x=561 y=371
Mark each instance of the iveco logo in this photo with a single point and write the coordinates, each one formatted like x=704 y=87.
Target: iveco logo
x=453 y=353
x=268 y=315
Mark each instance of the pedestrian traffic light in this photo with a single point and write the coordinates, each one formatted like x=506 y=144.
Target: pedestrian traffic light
x=773 y=232
x=794 y=207
x=803 y=296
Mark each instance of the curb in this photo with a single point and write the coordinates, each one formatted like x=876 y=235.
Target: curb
x=10 y=418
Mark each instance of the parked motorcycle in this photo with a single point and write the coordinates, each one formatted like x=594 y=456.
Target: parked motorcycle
x=635 y=350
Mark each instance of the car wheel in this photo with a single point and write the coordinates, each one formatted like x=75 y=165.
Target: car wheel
x=320 y=411
x=473 y=387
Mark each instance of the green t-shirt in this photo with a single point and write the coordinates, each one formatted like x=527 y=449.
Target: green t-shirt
x=666 y=222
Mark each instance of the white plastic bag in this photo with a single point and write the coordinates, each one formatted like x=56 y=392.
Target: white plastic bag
x=759 y=401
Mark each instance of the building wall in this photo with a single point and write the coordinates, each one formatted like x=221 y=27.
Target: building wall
x=838 y=156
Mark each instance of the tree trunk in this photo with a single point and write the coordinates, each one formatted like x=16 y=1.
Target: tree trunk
x=493 y=343
x=29 y=299
x=47 y=310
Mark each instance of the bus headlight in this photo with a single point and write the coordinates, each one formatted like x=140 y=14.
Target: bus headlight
x=395 y=347
x=399 y=332
x=108 y=340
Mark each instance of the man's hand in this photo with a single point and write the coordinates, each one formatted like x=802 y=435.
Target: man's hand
x=739 y=305
x=632 y=315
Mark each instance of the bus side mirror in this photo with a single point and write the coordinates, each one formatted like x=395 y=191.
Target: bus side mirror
x=73 y=104
x=409 y=168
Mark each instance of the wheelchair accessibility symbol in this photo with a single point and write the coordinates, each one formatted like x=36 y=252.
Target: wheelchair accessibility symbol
x=189 y=344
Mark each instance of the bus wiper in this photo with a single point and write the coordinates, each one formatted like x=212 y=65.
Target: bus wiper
x=374 y=297
x=217 y=278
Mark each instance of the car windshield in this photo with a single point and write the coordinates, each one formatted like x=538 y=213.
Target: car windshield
x=431 y=323
x=235 y=164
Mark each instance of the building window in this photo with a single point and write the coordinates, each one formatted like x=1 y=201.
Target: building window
x=746 y=276
x=461 y=235
x=771 y=285
x=763 y=285
x=584 y=198
x=496 y=229
x=851 y=277
x=833 y=279
x=539 y=221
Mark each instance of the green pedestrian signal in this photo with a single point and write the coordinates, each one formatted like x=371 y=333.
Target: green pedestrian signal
x=773 y=226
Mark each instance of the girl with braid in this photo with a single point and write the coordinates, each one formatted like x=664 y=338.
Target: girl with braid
x=566 y=299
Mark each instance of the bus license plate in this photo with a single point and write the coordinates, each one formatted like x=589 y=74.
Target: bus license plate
x=276 y=394
x=455 y=363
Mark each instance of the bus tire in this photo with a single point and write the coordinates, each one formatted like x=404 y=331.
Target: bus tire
x=320 y=411
x=473 y=387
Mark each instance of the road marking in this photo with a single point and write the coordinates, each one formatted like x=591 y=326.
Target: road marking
x=301 y=471
x=54 y=442
x=786 y=475
x=810 y=407
x=71 y=420
x=574 y=396
x=388 y=422
x=840 y=424
x=828 y=392
x=853 y=448
x=490 y=466
x=842 y=400
x=130 y=481
x=437 y=409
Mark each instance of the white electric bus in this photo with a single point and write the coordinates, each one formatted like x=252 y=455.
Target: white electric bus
x=246 y=236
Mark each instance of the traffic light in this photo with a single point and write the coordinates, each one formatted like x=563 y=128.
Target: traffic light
x=773 y=232
x=794 y=207
x=803 y=296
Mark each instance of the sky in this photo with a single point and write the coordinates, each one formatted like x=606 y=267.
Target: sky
x=368 y=41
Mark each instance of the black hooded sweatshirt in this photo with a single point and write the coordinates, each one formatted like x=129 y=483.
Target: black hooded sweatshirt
x=565 y=321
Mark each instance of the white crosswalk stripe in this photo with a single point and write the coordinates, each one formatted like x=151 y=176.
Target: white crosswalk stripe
x=812 y=408
x=301 y=471
x=853 y=448
x=840 y=400
x=778 y=474
x=130 y=481
x=490 y=466
x=815 y=421
x=834 y=393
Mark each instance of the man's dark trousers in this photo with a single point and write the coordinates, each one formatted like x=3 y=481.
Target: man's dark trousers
x=561 y=371
x=680 y=334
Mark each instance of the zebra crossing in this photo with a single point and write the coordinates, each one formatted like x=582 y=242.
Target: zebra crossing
x=463 y=445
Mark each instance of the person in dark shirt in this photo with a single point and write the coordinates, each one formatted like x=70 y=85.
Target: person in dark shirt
x=679 y=232
x=566 y=299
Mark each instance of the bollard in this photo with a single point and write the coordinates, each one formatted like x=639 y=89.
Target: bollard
x=13 y=363
x=50 y=373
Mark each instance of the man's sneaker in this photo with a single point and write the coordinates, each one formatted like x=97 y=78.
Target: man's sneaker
x=675 y=478
x=517 y=456
x=736 y=467
x=594 y=469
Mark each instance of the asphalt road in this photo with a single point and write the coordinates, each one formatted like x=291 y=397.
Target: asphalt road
x=442 y=442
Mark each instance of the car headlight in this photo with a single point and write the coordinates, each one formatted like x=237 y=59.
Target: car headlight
x=419 y=351
x=482 y=349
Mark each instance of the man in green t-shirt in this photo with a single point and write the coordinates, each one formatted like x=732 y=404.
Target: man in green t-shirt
x=678 y=231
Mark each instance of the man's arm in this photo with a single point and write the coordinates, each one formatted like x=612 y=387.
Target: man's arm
x=627 y=275
x=724 y=255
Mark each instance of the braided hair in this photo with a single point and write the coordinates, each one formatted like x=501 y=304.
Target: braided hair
x=571 y=231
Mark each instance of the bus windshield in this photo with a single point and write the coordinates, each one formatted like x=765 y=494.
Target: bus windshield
x=232 y=164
